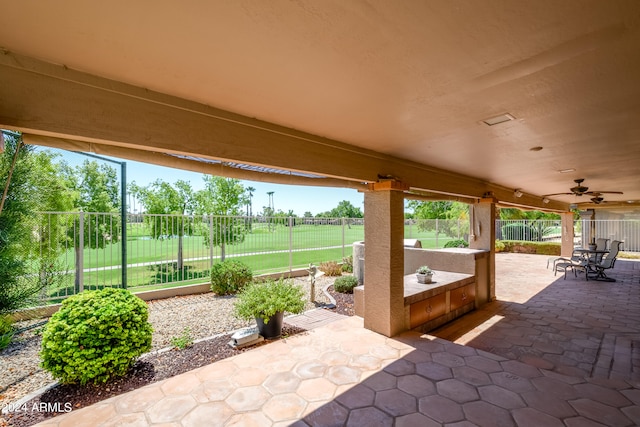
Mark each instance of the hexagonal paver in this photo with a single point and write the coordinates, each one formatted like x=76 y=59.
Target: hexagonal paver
x=448 y=359
x=222 y=369
x=471 y=376
x=549 y=404
x=252 y=419
x=416 y=385
x=369 y=416
x=511 y=382
x=457 y=391
x=316 y=389
x=486 y=414
x=433 y=371
x=602 y=394
x=555 y=387
x=170 y=409
x=531 y=417
x=282 y=382
x=520 y=369
x=249 y=377
x=342 y=375
x=357 y=397
x=248 y=398
x=180 y=384
x=416 y=419
x=326 y=414
x=483 y=364
x=401 y=367
x=365 y=361
x=204 y=413
x=90 y=416
x=313 y=369
x=396 y=402
x=440 y=409
x=501 y=397
x=213 y=390
x=599 y=412
x=132 y=420
x=284 y=407
x=380 y=381
x=139 y=401
x=384 y=352
x=334 y=357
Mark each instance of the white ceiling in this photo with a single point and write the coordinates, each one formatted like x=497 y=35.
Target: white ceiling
x=413 y=79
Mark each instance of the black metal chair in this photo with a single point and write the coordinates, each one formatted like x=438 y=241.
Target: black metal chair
x=597 y=269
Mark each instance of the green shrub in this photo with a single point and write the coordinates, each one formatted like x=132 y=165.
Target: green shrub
x=347 y=264
x=500 y=246
x=229 y=276
x=6 y=331
x=331 y=268
x=264 y=299
x=95 y=336
x=345 y=284
x=459 y=243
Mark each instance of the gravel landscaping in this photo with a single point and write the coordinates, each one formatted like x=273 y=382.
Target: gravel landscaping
x=209 y=320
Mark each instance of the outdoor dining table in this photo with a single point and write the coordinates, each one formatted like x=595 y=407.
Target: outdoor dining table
x=588 y=260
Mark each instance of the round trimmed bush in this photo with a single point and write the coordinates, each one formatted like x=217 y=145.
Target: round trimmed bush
x=345 y=284
x=229 y=276
x=459 y=243
x=95 y=336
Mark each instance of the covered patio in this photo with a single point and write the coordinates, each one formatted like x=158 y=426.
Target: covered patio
x=547 y=352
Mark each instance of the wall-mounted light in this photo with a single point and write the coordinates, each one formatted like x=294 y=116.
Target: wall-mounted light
x=517 y=192
x=545 y=200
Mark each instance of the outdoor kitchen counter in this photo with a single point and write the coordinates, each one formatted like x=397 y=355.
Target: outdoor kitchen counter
x=428 y=306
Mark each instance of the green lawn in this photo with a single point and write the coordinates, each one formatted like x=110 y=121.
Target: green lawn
x=265 y=249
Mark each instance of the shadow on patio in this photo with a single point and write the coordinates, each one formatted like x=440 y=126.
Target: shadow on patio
x=343 y=374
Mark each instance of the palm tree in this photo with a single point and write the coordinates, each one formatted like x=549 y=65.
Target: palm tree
x=250 y=191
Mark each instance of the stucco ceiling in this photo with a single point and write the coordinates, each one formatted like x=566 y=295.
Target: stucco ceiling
x=413 y=79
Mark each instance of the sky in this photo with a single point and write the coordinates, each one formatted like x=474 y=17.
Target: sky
x=298 y=198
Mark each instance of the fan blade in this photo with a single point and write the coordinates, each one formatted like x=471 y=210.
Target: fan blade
x=559 y=194
x=604 y=192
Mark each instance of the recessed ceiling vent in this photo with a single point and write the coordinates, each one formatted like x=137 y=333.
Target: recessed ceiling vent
x=492 y=121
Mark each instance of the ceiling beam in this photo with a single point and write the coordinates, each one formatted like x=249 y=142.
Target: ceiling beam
x=45 y=99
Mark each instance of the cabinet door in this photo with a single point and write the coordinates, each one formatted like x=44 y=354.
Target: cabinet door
x=428 y=309
x=463 y=296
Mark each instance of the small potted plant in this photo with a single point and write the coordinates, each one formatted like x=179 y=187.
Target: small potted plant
x=267 y=302
x=424 y=274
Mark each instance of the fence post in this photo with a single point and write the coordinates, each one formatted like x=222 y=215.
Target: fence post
x=80 y=255
x=343 y=222
x=210 y=241
x=290 y=243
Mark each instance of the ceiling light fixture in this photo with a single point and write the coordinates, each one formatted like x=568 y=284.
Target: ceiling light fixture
x=517 y=192
x=545 y=200
x=567 y=170
x=492 y=121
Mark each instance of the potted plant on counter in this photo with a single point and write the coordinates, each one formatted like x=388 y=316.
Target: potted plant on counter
x=424 y=274
x=267 y=302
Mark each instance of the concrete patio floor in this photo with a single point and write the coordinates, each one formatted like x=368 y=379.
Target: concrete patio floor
x=548 y=352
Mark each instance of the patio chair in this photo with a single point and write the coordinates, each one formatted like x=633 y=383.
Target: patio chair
x=607 y=262
x=601 y=245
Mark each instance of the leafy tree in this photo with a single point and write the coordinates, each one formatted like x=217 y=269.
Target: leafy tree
x=346 y=210
x=452 y=212
x=98 y=195
x=222 y=198
x=162 y=199
x=308 y=214
x=33 y=186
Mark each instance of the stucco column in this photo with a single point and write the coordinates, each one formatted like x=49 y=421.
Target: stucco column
x=482 y=222
x=384 y=259
x=566 y=250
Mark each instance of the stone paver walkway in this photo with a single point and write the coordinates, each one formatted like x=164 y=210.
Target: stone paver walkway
x=548 y=344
